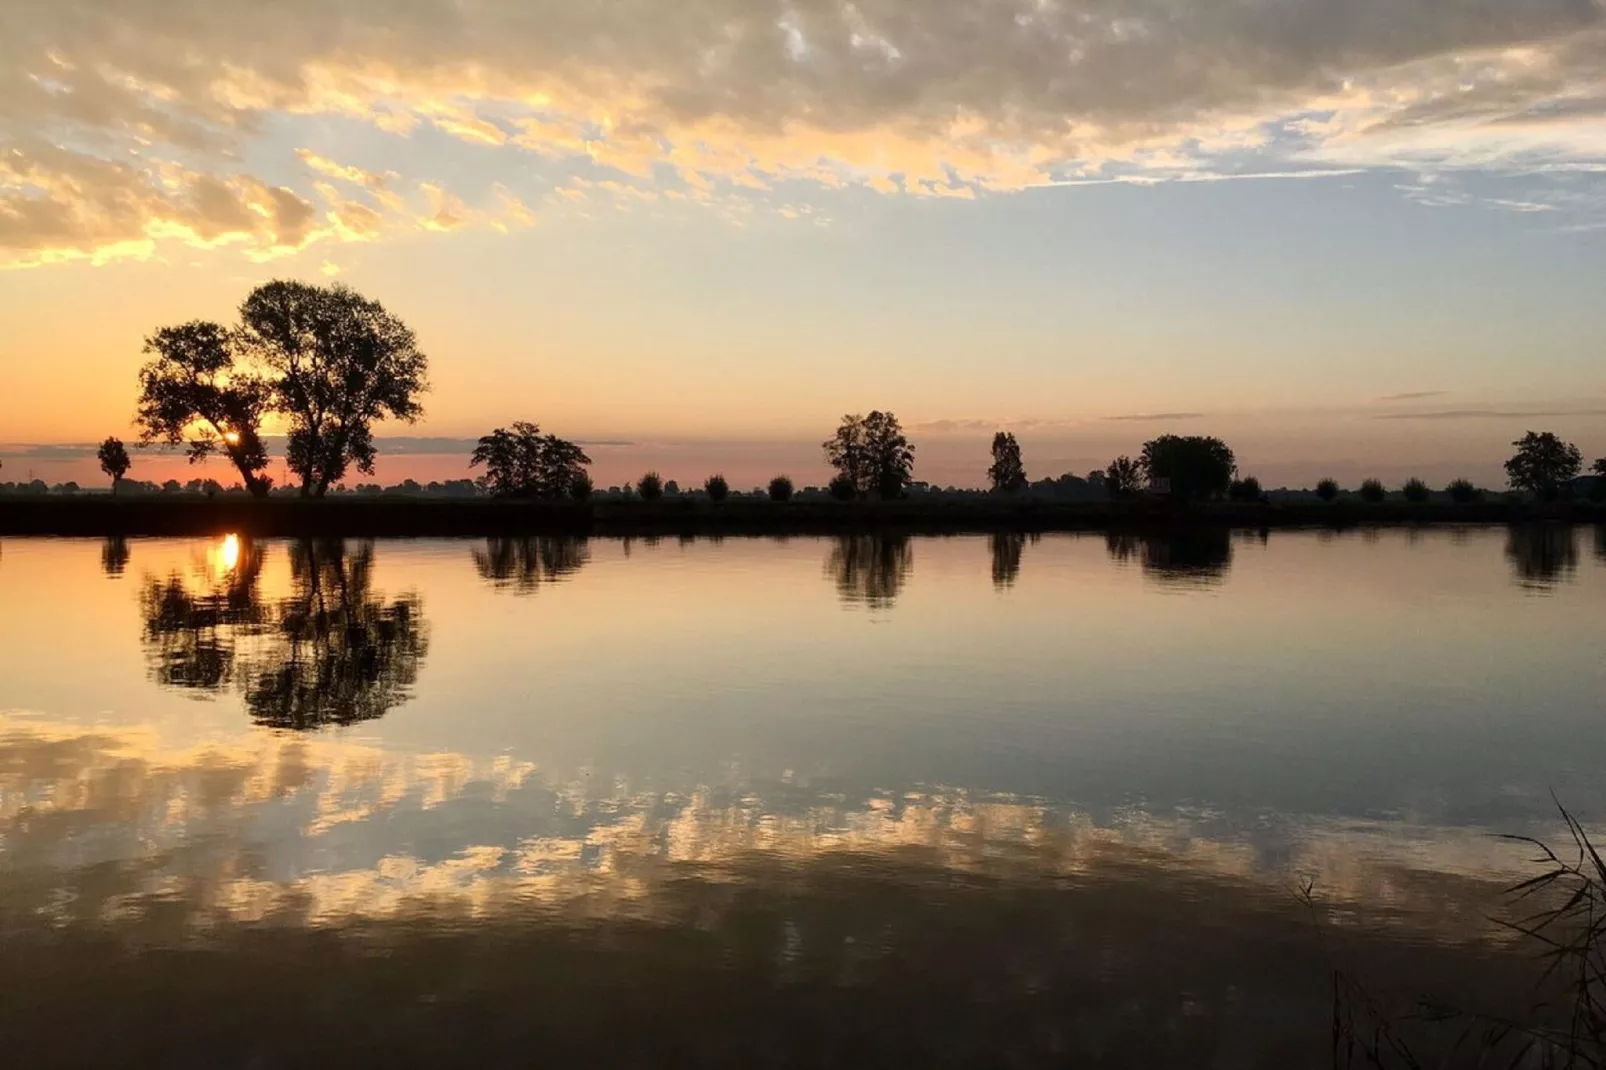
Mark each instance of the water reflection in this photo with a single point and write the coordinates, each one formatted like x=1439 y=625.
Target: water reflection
x=1193 y=557
x=1006 y=547
x=332 y=652
x=114 y=556
x=524 y=564
x=870 y=570
x=1600 y=542
x=1542 y=556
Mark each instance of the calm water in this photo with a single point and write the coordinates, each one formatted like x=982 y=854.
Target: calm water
x=775 y=802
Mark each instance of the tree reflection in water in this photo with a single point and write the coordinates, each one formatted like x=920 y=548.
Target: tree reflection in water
x=1542 y=555
x=333 y=652
x=1006 y=547
x=870 y=570
x=114 y=555
x=1197 y=557
x=524 y=564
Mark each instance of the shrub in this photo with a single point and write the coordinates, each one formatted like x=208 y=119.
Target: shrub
x=580 y=489
x=843 y=489
x=717 y=488
x=650 y=487
x=1597 y=490
x=1245 y=490
x=1415 y=490
x=1327 y=490
x=1372 y=491
x=780 y=489
x=1462 y=491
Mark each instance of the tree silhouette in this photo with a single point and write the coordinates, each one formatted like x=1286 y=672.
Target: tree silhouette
x=780 y=489
x=716 y=488
x=1462 y=491
x=113 y=456
x=872 y=454
x=1327 y=490
x=870 y=569
x=1197 y=466
x=1245 y=490
x=1415 y=491
x=194 y=388
x=1542 y=463
x=114 y=555
x=523 y=463
x=525 y=564
x=1372 y=491
x=1124 y=477
x=650 y=487
x=343 y=363
x=1007 y=473
x=1541 y=555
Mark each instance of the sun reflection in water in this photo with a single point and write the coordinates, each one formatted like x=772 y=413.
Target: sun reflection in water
x=228 y=554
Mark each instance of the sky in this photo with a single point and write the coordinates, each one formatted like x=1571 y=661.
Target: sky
x=1352 y=239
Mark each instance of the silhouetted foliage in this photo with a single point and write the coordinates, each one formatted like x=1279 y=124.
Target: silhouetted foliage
x=1006 y=547
x=716 y=488
x=1543 y=463
x=1599 y=467
x=870 y=569
x=1245 y=490
x=1372 y=491
x=780 y=489
x=1462 y=492
x=113 y=457
x=650 y=487
x=1542 y=555
x=523 y=463
x=194 y=382
x=1007 y=472
x=1415 y=491
x=342 y=362
x=1190 y=557
x=114 y=555
x=872 y=453
x=1327 y=490
x=191 y=628
x=1197 y=466
x=843 y=489
x=580 y=488
x=525 y=564
x=1124 y=477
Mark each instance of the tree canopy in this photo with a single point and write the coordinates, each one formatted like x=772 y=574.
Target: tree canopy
x=520 y=462
x=1007 y=472
x=1196 y=466
x=872 y=454
x=114 y=461
x=1542 y=463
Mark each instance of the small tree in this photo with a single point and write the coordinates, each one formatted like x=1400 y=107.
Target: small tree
x=716 y=488
x=1327 y=490
x=1461 y=491
x=580 y=488
x=671 y=489
x=114 y=460
x=1197 y=466
x=1007 y=473
x=1415 y=491
x=780 y=489
x=842 y=488
x=1542 y=463
x=650 y=487
x=1245 y=490
x=1124 y=477
x=1372 y=491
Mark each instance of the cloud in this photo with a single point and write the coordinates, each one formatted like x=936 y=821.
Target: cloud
x=946 y=98
x=1150 y=417
x=1414 y=395
x=1489 y=414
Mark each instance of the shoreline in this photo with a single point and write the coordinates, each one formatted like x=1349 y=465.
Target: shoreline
x=403 y=517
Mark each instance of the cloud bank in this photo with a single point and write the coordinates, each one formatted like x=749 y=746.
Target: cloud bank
x=126 y=126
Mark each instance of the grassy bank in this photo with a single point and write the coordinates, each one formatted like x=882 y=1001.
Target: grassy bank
x=196 y=515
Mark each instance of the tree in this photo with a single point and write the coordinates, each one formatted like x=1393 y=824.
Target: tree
x=842 y=488
x=872 y=454
x=1124 y=477
x=521 y=462
x=1415 y=491
x=1600 y=467
x=114 y=460
x=1542 y=463
x=1372 y=491
x=1007 y=473
x=716 y=487
x=1327 y=490
x=780 y=489
x=343 y=363
x=1461 y=491
x=193 y=393
x=1197 y=466
x=1245 y=490
x=650 y=487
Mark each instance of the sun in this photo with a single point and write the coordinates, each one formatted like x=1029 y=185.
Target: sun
x=231 y=437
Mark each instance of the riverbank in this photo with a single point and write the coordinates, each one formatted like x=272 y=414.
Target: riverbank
x=195 y=515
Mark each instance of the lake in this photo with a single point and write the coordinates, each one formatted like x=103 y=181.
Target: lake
x=990 y=800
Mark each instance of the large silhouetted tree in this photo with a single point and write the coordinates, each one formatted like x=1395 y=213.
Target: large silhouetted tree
x=1542 y=463
x=1007 y=473
x=342 y=363
x=522 y=462
x=1124 y=477
x=1196 y=466
x=195 y=393
x=113 y=456
x=872 y=453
